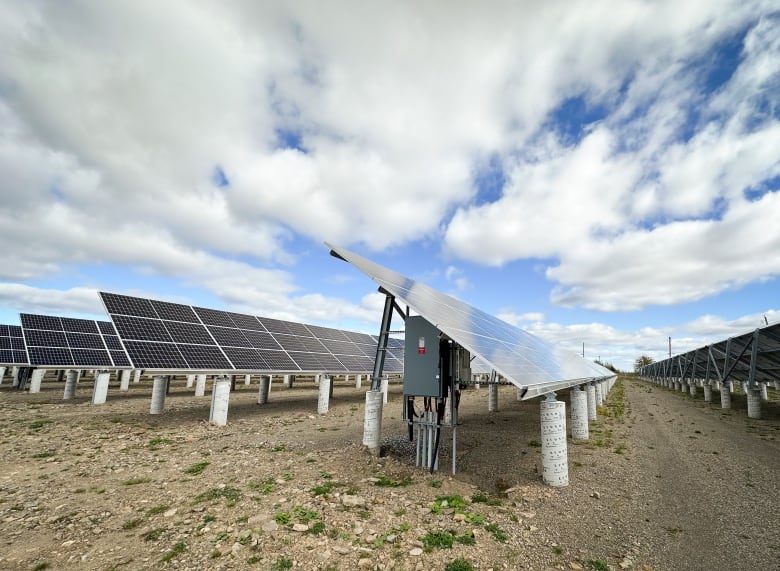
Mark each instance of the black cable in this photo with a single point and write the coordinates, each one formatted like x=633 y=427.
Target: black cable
x=439 y=418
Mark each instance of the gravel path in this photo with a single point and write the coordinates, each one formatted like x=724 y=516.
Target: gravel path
x=665 y=483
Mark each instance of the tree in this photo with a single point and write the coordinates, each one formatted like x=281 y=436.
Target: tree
x=642 y=361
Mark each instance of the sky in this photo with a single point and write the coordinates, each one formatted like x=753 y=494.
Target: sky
x=604 y=173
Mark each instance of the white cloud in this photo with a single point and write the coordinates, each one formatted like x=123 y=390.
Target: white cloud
x=113 y=119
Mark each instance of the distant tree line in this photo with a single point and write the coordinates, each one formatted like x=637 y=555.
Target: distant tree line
x=606 y=365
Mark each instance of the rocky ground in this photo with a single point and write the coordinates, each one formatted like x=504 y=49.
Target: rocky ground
x=666 y=482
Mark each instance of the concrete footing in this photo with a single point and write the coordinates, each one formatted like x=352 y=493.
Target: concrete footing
x=263 y=389
x=200 y=385
x=590 y=392
x=124 y=380
x=220 y=400
x=492 y=397
x=707 y=392
x=753 y=403
x=159 y=386
x=372 y=421
x=555 y=464
x=71 y=378
x=100 y=390
x=323 y=401
x=725 y=397
x=579 y=414
x=36 y=379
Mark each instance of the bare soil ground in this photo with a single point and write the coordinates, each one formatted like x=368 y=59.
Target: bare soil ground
x=666 y=482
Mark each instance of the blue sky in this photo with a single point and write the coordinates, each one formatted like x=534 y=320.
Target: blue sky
x=595 y=172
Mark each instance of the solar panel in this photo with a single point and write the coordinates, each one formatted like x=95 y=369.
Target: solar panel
x=12 y=347
x=525 y=360
x=69 y=342
x=169 y=336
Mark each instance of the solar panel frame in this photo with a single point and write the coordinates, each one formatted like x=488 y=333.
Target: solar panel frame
x=13 y=350
x=523 y=359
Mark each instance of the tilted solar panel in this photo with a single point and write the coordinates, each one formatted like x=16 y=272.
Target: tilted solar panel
x=169 y=336
x=68 y=342
x=525 y=360
x=12 y=347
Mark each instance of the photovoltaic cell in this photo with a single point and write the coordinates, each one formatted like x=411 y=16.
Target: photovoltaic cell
x=113 y=343
x=525 y=360
x=106 y=327
x=12 y=348
x=68 y=342
x=199 y=338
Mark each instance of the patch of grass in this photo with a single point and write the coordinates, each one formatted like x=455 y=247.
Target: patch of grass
x=475 y=519
x=254 y=560
x=498 y=534
x=534 y=444
x=282 y=518
x=459 y=564
x=466 y=539
x=303 y=515
x=279 y=448
x=557 y=549
x=209 y=519
x=282 y=564
x=46 y=454
x=154 y=534
x=196 y=469
x=435 y=483
x=216 y=554
x=174 y=552
x=136 y=481
x=38 y=424
x=264 y=488
x=481 y=498
x=456 y=501
x=317 y=528
x=386 y=482
x=323 y=489
x=158 y=441
x=157 y=510
x=620 y=449
x=132 y=523
x=597 y=565
x=42 y=565
x=230 y=495
x=438 y=540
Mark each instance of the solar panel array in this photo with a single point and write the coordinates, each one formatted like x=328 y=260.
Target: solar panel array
x=166 y=336
x=12 y=348
x=524 y=359
x=727 y=359
x=69 y=342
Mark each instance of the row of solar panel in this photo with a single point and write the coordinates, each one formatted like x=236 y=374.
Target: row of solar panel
x=165 y=335
x=170 y=336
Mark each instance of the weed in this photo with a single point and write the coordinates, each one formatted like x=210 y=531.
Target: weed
x=254 y=559
x=216 y=554
x=282 y=518
x=136 y=481
x=209 y=519
x=46 y=454
x=317 y=528
x=132 y=523
x=230 y=495
x=153 y=535
x=157 y=510
x=384 y=481
x=323 y=489
x=498 y=534
x=466 y=539
x=305 y=516
x=438 y=539
x=481 y=498
x=264 y=488
x=620 y=448
x=158 y=441
x=279 y=448
x=196 y=468
x=38 y=424
x=282 y=564
x=326 y=476
x=557 y=549
x=441 y=502
x=476 y=519
x=174 y=551
x=435 y=483
x=459 y=564
x=42 y=565
x=597 y=565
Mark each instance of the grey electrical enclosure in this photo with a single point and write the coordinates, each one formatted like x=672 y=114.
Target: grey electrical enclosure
x=421 y=358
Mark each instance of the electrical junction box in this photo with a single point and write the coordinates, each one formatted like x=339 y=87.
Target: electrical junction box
x=421 y=358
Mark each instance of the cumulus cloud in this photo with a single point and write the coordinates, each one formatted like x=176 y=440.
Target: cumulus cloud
x=200 y=140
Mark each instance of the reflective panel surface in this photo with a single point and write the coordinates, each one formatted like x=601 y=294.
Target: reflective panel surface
x=523 y=359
